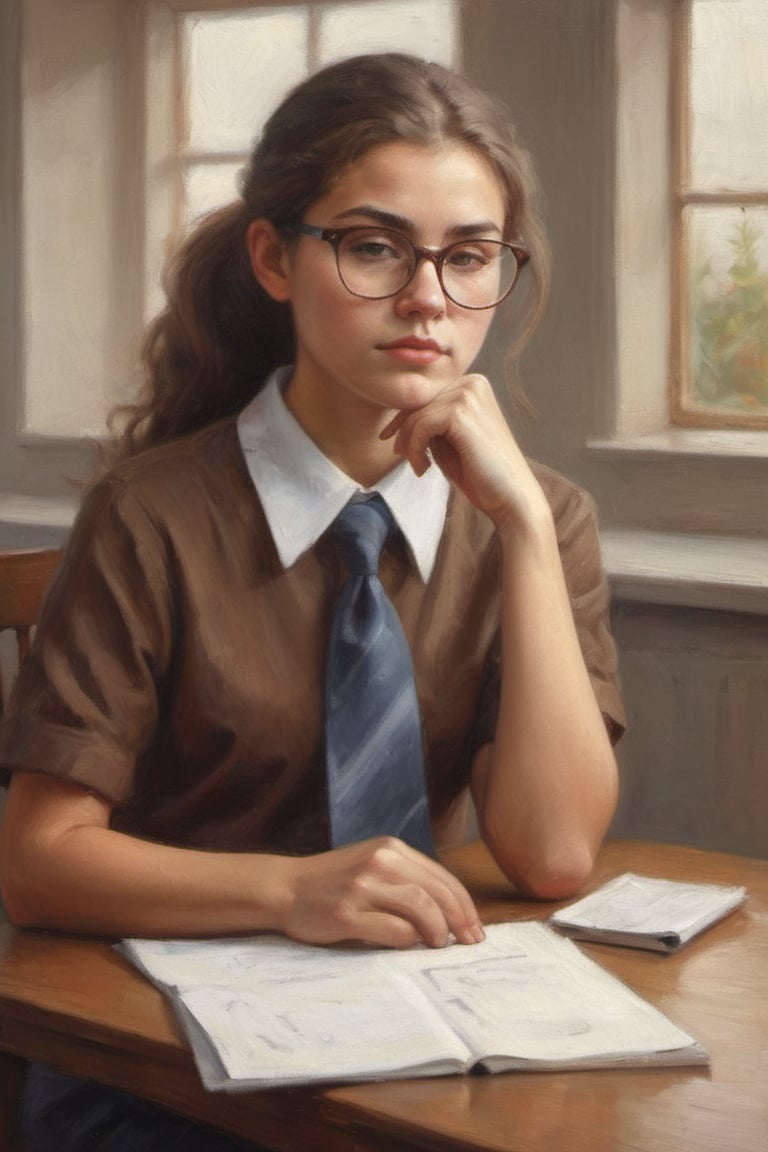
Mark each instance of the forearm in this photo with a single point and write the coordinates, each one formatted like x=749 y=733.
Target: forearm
x=98 y=881
x=547 y=788
x=62 y=866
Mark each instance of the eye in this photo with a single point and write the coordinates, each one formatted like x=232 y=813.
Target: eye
x=474 y=256
x=373 y=247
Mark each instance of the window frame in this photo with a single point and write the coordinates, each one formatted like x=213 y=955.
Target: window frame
x=678 y=484
x=683 y=196
x=635 y=407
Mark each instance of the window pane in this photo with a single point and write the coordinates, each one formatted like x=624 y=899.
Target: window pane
x=427 y=28
x=238 y=66
x=728 y=294
x=729 y=95
x=209 y=186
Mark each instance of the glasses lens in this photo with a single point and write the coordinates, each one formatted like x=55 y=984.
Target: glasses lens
x=479 y=273
x=375 y=262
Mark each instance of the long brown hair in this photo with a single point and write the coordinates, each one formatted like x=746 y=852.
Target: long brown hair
x=212 y=347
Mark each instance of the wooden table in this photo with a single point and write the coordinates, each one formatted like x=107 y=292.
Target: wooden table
x=80 y=1007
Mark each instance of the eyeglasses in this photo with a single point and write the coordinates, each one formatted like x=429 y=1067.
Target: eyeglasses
x=375 y=263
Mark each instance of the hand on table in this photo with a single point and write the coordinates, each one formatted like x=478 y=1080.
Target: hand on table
x=379 y=892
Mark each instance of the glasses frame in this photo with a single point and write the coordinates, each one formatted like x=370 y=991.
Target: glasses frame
x=436 y=256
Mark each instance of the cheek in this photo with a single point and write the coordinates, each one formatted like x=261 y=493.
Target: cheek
x=330 y=315
x=474 y=332
x=314 y=283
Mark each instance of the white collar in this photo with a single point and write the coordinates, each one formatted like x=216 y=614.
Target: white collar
x=302 y=491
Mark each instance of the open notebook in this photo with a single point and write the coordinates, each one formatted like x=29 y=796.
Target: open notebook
x=265 y=1011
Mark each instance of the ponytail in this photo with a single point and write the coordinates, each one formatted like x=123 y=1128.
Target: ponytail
x=213 y=346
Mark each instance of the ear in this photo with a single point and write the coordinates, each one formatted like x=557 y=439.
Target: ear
x=269 y=259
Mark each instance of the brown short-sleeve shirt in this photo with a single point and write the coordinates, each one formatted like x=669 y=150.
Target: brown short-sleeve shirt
x=178 y=668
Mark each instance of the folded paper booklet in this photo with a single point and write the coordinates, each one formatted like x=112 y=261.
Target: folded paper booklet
x=266 y=1011
x=642 y=912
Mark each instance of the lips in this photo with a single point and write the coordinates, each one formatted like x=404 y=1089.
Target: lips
x=416 y=351
x=416 y=344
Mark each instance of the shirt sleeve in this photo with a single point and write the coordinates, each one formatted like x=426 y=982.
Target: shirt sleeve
x=579 y=545
x=86 y=701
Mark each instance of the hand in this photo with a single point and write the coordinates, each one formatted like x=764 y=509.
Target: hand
x=470 y=440
x=379 y=892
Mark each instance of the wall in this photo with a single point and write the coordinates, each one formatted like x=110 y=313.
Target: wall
x=552 y=64
x=694 y=759
x=28 y=469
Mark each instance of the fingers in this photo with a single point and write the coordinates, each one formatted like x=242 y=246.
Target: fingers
x=394 y=916
x=389 y=429
x=405 y=444
x=383 y=930
x=401 y=881
x=380 y=892
x=465 y=432
x=413 y=432
x=464 y=415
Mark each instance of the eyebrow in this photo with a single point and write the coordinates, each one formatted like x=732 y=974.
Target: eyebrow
x=403 y=224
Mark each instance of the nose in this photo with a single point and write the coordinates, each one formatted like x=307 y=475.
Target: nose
x=423 y=294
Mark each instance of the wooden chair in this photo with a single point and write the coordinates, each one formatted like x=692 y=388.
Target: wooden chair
x=24 y=578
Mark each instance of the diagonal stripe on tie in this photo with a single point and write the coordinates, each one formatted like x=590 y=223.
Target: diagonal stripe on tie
x=374 y=757
x=375 y=746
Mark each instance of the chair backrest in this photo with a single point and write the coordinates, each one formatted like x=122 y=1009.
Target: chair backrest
x=24 y=579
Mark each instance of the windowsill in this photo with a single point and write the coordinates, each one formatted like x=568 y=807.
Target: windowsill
x=702 y=571
x=30 y=522
x=715 y=572
x=712 y=443
x=717 y=443
x=36 y=511
x=58 y=438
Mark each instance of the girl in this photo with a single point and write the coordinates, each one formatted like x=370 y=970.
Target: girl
x=166 y=735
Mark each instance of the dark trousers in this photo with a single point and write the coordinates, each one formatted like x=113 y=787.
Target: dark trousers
x=64 y=1114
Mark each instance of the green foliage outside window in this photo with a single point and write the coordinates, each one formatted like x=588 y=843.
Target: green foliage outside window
x=730 y=326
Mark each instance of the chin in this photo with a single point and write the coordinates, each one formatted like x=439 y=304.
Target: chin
x=415 y=389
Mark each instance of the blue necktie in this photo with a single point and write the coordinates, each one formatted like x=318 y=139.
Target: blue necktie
x=373 y=727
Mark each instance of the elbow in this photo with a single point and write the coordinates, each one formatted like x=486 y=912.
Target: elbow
x=11 y=895
x=19 y=902
x=15 y=890
x=14 y=905
x=555 y=874
x=28 y=875
x=45 y=850
x=559 y=879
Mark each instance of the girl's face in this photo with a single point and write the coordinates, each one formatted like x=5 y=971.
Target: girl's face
x=371 y=357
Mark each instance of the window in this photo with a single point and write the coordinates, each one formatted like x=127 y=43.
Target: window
x=692 y=106
x=137 y=116
x=722 y=215
x=234 y=67
x=682 y=481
